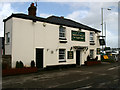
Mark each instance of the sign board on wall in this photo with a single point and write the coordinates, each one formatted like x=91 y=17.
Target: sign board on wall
x=98 y=51
x=78 y=36
x=70 y=54
x=102 y=41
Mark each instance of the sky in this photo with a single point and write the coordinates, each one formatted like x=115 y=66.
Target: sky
x=87 y=13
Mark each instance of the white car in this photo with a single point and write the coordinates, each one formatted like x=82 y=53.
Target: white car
x=115 y=52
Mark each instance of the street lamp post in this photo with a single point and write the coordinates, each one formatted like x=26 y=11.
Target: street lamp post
x=102 y=20
x=102 y=24
x=105 y=34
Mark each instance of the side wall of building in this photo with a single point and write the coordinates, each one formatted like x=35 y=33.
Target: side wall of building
x=8 y=29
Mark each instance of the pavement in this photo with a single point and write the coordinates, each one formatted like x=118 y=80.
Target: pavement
x=105 y=75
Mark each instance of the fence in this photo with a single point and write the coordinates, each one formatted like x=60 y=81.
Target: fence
x=6 y=61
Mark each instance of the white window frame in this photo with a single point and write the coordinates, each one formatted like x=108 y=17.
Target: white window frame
x=62 y=54
x=7 y=37
x=63 y=31
x=92 y=52
x=92 y=36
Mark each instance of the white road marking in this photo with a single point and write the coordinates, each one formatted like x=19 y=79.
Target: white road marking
x=116 y=80
x=103 y=74
x=86 y=87
x=83 y=87
x=101 y=84
x=69 y=82
x=111 y=68
x=116 y=67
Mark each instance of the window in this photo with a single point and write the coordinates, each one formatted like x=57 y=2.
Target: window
x=62 y=55
x=70 y=54
x=91 y=53
x=62 y=32
x=91 y=36
x=7 y=37
x=98 y=51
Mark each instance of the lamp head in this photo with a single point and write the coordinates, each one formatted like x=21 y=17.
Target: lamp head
x=109 y=9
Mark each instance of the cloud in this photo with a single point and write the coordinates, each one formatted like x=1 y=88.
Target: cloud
x=45 y=15
x=90 y=14
x=77 y=15
x=5 y=11
x=112 y=40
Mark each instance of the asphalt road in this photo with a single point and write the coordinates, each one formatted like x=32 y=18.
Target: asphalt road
x=99 y=76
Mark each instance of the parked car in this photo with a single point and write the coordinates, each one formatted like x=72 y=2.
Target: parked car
x=115 y=52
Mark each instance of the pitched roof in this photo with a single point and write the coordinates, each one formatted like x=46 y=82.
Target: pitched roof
x=54 y=20
x=70 y=23
x=24 y=16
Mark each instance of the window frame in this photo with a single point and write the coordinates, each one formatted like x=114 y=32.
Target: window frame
x=62 y=30
x=63 y=55
x=92 y=36
x=92 y=53
x=7 y=37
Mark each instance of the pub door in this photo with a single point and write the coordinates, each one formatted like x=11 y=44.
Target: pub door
x=39 y=58
x=77 y=57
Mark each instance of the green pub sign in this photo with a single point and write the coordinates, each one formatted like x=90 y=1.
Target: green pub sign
x=78 y=36
x=70 y=54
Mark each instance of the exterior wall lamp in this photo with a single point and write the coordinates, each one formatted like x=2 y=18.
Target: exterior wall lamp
x=86 y=48
x=79 y=30
x=47 y=49
x=34 y=21
x=44 y=24
x=52 y=52
x=56 y=49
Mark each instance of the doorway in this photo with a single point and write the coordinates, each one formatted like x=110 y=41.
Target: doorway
x=77 y=57
x=39 y=58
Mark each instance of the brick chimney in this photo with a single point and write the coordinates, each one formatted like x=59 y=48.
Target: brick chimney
x=62 y=17
x=32 y=10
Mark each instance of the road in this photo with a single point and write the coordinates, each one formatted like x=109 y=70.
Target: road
x=105 y=75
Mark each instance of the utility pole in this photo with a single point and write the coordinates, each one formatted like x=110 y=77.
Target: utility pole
x=102 y=25
x=105 y=34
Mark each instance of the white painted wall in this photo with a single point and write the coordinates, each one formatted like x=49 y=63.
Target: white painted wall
x=28 y=35
x=22 y=41
x=8 y=28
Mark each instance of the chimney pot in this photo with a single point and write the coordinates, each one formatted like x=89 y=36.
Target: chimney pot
x=62 y=16
x=32 y=4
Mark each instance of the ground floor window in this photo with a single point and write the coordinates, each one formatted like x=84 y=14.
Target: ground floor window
x=62 y=55
x=7 y=37
x=91 y=53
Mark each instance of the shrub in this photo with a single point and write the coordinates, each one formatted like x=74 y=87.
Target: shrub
x=32 y=63
x=96 y=58
x=88 y=58
x=19 y=64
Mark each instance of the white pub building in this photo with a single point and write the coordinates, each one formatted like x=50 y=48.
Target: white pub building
x=48 y=41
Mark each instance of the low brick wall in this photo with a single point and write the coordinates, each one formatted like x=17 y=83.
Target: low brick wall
x=17 y=71
x=89 y=63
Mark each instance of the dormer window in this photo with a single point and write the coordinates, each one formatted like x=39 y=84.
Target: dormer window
x=62 y=32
